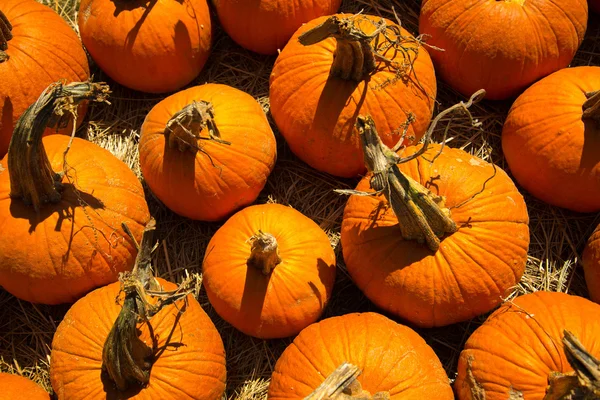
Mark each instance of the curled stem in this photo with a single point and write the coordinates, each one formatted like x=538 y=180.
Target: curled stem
x=591 y=107
x=5 y=36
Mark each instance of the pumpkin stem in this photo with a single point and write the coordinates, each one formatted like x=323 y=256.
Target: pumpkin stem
x=5 y=36
x=183 y=129
x=584 y=382
x=591 y=107
x=264 y=253
x=125 y=357
x=343 y=385
x=31 y=176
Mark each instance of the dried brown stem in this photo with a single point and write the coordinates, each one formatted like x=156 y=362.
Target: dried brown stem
x=32 y=178
x=5 y=36
x=591 y=107
x=264 y=253
x=343 y=385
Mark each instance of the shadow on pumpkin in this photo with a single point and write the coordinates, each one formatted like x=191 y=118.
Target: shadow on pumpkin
x=590 y=156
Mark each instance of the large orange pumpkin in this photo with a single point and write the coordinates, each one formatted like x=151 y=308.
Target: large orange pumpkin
x=207 y=151
x=63 y=234
x=37 y=48
x=392 y=358
x=315 y=101
x=551 y=139
x=591 y=265
x=15 y=387
x=472 y=269
x=517 y=350
x=269 y=271
x=265 y=26
x=157 y=46
x=501 y=46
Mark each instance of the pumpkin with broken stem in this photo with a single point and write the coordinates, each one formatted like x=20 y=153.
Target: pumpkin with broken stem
x=359 y=356
x=517 y=353
x=62 y=201
x=335 y=68
x=435 y=236
x=207 y=151
x=153 y=342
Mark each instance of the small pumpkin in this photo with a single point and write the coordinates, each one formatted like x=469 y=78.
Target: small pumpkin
x=394 y=361
x=37 y=48
x=15 y=387
x=207 y=151
x=591 y=265
x=153 y=342
x=320 y=84
x=443 y=241
x=158 y=46
x=517 y=353
x=481 y=51
x=265 y=26
x=269 y=271
x=63 y=211
x=551 y=139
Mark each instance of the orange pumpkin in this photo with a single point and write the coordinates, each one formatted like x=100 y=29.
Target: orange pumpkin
x=518 y=349
x=551 y=139
x=188 y=358
x=393 y=358
x=315 y=101
x=501 y=46
x=269 y=271
x=265 y=26
x=472 y=269
x=591 y=265
x=37 y=48
x=64 y=233
x=15 y=387
x=207 y=151
x=158 y=46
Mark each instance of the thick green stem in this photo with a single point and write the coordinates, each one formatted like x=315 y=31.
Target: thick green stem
x=343 y=385
x=591 y=107
x=264 y=253
x=32 y=178
x=5 y=36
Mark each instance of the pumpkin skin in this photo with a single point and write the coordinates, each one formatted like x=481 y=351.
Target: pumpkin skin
x=250 y=22
x=473 y=268
x=296 y=291
x=543 y=37
x=316 y=114
x=151 y=47
x=520 y=344
x=194 y=370
x=189 y=184
x=15 y=387
x=392 y=357
x=552 y=151
x=591 y=265
x=58 y=260
x=43 y=50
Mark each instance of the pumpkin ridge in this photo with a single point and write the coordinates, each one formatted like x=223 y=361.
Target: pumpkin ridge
x=55 y=50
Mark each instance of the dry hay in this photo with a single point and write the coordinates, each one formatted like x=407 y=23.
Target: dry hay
x=557 y=236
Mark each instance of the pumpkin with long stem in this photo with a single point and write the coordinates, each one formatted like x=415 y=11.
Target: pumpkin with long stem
x=551 y=139
x=62 y=201
x=540 y=346
x=154 y=342
x=15 y=387
x=335 y=68
x=269 y=271
x=591 y=265
x=359 y=356
x=435 y=235
x=207 y=151
x=37 y=48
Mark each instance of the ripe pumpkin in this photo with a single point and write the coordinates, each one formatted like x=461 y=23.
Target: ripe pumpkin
x=269 y=271
x=551 y=139
x=519 y=347
x=207 y=151
x=15 y=387
x=591 y=265
x=251 y=24
x=472 y=269
x=158 y=46
x=519 y=42
x=315 y=101
x=64 y=236
x=37 y=48
x=393 y=359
